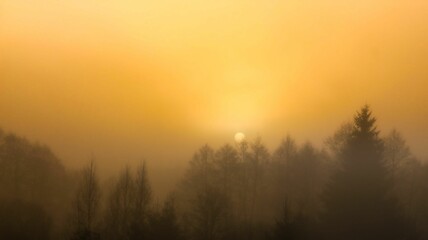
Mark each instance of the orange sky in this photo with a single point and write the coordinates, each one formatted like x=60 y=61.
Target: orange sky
x=126 y=80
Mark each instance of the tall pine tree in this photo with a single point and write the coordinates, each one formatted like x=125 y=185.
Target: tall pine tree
x=358 y=200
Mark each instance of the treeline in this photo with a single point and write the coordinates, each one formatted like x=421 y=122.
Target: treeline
x=128 y=210
x=359 y=185
x=34 y=190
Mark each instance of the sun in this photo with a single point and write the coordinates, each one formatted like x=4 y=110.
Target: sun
x=239 y=137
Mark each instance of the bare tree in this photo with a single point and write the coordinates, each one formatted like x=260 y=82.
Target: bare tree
x=140 y=204
x=281 y=173
x=129 y=205
x=87 y=203
x=205 y=202
x=119 y=207
x=256 y=166
x=143 y=195
x=397 y=153
x=226 y=166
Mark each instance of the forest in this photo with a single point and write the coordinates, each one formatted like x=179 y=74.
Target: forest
x=360 y=184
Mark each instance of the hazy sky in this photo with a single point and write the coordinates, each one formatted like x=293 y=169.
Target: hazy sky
x=126 y=80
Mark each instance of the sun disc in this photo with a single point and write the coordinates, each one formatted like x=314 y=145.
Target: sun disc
x=239 y=137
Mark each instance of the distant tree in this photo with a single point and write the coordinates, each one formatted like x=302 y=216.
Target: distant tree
x=118 y=218
x=252 y=208
x=128 y=207
x=87 y=203
x=410 y=177
x=338 y=141
x=308 y=176
x=201 y=170
x=286 y=150
x=403 y=166
x=31 y=173
x=209 y=214
x=256 y=168
x=358 y=200
x=397 y=153
x=243 y=187
x=226 y=168
x=204 y=201
x=281 y=171
x=300 y=174
x=141 y=204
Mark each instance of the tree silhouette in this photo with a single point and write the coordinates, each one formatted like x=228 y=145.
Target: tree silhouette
x=205 y=200
x=30 y=173
x=281 y=171
x=307 y=180
x=87 y=204
x=129 y=206
x=358 y=200
x=254 y=167
x=226 y=167
x=141 y=204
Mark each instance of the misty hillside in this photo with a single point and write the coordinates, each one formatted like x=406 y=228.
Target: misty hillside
x=362 y=184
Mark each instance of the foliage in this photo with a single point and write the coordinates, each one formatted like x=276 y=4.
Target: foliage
x=358 y=200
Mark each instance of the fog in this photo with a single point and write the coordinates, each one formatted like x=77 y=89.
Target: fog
x=122 y=83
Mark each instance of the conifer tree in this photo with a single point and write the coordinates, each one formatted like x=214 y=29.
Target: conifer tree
x=358 y=199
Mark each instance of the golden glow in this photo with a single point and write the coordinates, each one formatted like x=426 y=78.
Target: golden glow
x=93 y=76
x=239 y=137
